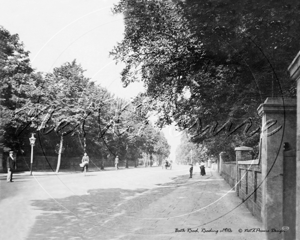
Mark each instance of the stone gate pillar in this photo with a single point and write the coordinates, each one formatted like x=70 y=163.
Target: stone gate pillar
x=243 y=153
x=221 y=162
x=278 y=126
x=294 y=70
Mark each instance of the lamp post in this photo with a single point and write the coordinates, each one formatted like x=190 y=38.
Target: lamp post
x=32 y=141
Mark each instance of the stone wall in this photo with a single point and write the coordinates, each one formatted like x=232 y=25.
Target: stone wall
x=268 y=185
x=249 y=188
x=246 y=179
x=278 y=127
x=228 y=172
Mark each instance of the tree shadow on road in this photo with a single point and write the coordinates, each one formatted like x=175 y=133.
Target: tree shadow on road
x=102 y=212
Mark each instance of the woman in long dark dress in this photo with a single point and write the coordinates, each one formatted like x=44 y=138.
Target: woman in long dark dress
x=202 y=169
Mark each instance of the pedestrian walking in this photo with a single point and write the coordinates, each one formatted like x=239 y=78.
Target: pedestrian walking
x=117 y=162
x=191 y=171
x=167 y=164
x=10 y=163
x=202 y=168
x=85 y=163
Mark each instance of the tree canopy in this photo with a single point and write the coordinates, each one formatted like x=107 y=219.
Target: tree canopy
x=211 y=62
x=188 y=152
x=70 y=113
x=15 y=70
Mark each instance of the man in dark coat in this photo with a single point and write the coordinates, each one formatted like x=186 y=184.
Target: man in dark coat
x=10 y=163
x=191 y=170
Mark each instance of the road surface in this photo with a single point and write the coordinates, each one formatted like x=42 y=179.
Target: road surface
x=143 y=203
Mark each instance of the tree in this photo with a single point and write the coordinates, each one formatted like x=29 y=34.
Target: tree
x=15 y=70
x=57 y=103
x=67 y=87
x=188 y=152
x=228 y=56
x=161 y=148
x=66 y=107
x=134 y=134
x=97 y=130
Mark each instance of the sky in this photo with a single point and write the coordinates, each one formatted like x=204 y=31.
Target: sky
x=59 y=31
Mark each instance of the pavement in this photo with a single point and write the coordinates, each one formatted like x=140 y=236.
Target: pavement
x=137 y=203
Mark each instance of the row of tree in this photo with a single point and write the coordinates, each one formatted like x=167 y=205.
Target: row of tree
x=209 y=64
x=188 y=152
x=68 y=112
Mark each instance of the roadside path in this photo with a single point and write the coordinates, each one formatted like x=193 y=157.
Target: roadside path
x=143 y=203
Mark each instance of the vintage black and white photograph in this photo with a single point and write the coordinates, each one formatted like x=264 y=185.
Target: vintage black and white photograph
x=150 y=119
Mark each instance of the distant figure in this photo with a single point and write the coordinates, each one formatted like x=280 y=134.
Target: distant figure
x=202 y=168
x=85 y=163
x=191 y=171
x=117 y=162
x=167 y=164
x=10 y=163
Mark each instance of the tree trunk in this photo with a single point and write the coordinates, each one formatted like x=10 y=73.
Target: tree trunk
x=59 y=153
x=126 y=160
x=1 y=158
x=3 y=166
x=103 y=160
x=84 y=144
x=102 y=164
